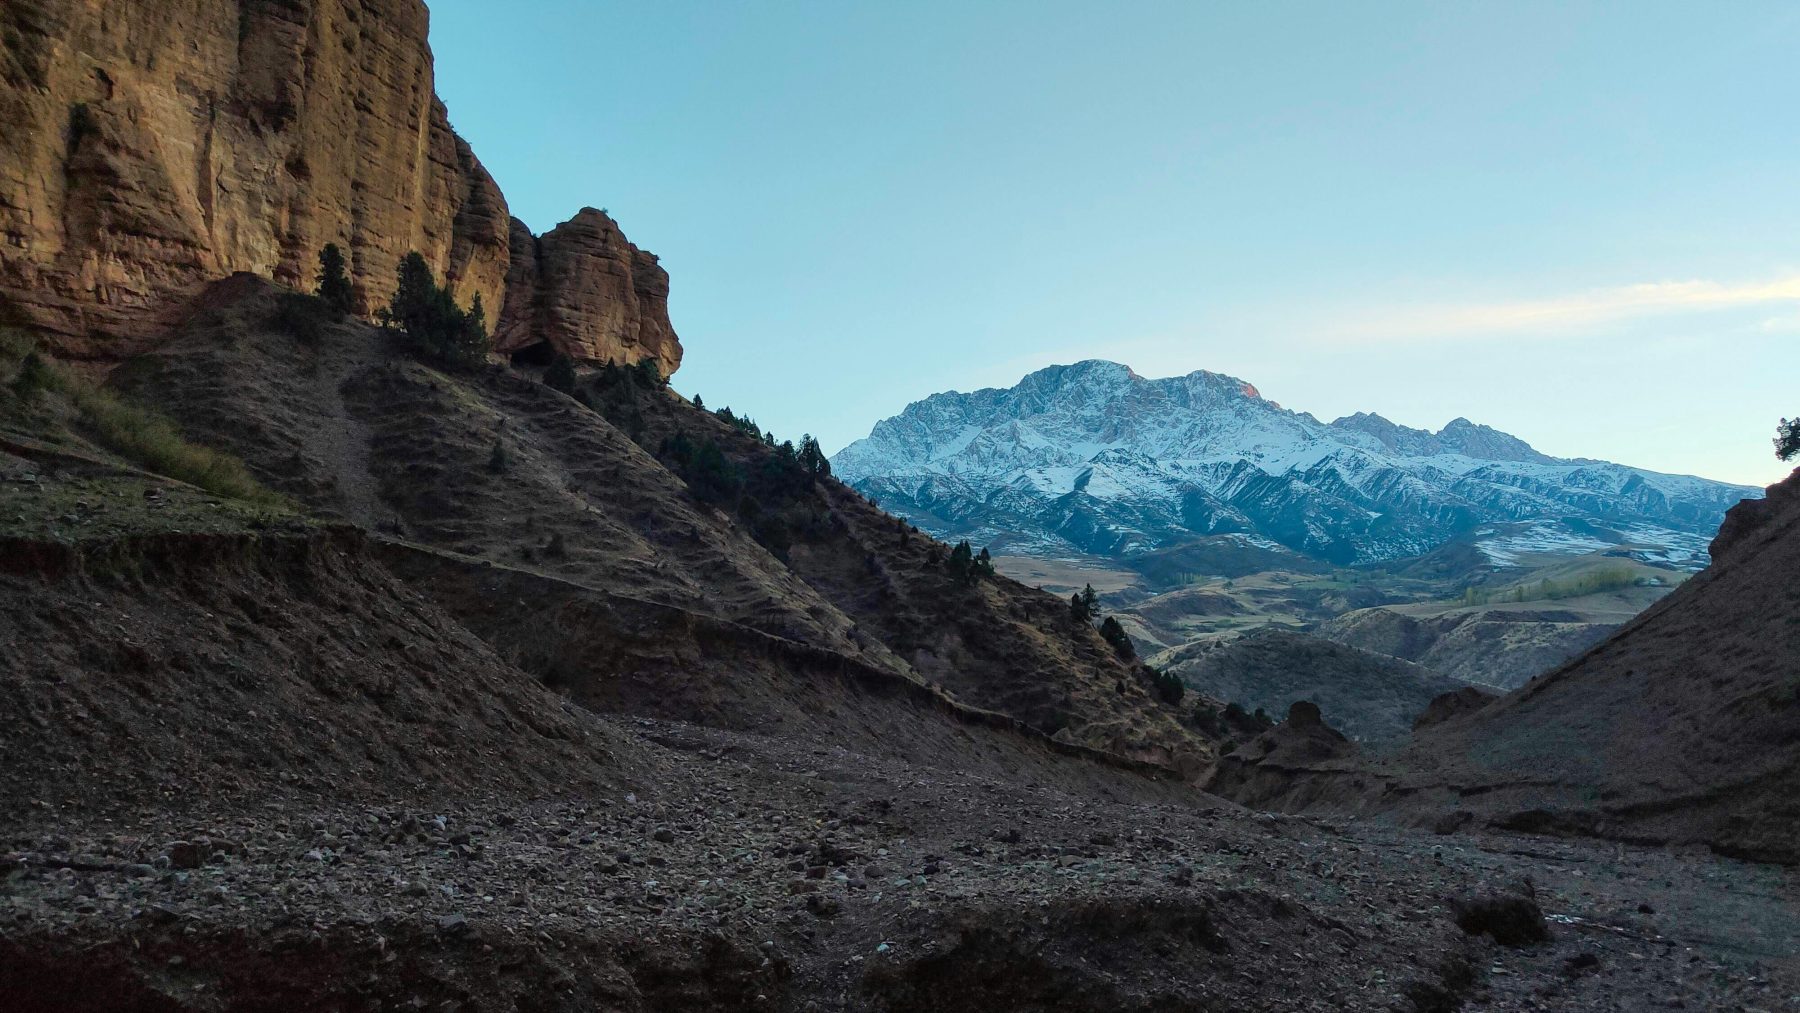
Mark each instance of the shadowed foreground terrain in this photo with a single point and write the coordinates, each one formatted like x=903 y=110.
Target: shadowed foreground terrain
x=1683 y=728
x=258 y=757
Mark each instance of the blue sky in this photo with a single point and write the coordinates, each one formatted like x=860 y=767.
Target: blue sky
x=1579 y=223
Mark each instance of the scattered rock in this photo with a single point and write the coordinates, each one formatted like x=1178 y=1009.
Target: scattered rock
x=1510 y=916
x=185 y=855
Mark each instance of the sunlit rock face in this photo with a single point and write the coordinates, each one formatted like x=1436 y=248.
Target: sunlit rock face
x=587 y=292
x=150 y=148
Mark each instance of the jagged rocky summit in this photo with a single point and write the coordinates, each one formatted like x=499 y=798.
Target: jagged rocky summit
x=1093 y=458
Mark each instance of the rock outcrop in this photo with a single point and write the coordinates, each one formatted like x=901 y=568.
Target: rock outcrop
x=584 y=290
x=151 y=148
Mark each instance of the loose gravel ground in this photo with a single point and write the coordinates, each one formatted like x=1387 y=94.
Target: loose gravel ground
x=760 y=875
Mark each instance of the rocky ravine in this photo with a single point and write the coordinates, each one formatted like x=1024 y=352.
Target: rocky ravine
x=153 y=148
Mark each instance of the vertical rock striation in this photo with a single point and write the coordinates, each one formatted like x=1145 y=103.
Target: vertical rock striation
x=151 y=147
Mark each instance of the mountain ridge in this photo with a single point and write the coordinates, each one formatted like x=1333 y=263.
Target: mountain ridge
x=1093 y=458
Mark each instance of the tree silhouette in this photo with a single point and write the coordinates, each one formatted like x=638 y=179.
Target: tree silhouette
x=334 y=281
x=1114 y=634
x=961 y=561
x=560 y=375
x=1787 y=439
x=438 y=328
x=812 y=458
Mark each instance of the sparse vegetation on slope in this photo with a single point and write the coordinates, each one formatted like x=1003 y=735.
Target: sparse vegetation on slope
x=134 y=432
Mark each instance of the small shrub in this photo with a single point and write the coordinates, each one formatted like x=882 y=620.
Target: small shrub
x=651 y=373
x=498 y=461
x=1787 y=439
x=1511 y=917
x=304 y=317
x=154 y=443
x=1169 y=687
x=1114 y=634
x=35 y=377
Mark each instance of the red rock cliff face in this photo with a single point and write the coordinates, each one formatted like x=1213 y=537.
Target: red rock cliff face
x=150 y=146
x=587 y=291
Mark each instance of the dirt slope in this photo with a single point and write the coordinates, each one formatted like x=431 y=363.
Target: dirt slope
x=1682 y=728
x=1500 y=648
x=1685 y=726
x=497 y=466
x=236 y=663
x=1372 y=698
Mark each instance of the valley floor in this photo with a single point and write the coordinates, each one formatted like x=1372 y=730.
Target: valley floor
x=760 y=873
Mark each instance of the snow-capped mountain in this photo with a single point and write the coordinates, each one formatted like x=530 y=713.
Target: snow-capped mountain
x=1094 y=458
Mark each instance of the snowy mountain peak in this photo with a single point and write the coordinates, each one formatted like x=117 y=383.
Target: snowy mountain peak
x=1093 y=457
x=1459 y=436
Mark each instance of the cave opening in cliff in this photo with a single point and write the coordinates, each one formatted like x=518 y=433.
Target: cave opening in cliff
x=538 y=353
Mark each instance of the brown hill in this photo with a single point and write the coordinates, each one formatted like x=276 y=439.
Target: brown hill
x=158 y=646
x=1684 y=726
x=1499 y=647
x=1372 y=698
x=496 y=466
x=150 y=149
x=1680 y=728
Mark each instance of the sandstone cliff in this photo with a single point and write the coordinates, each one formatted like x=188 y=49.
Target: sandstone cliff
x=587 y=292
x=151 y=147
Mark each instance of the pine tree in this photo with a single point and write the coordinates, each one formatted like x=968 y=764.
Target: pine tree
x=961 y=563
x=436 y=326
x=984 y=564
x=334 y=282
x=812 y=458
x=560 y=375
x=1787 y=439
x=1090 y=602
x=701 y=405
x=1114 y=634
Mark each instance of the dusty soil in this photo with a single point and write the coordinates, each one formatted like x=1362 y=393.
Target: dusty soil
x=255 y=760
x=352 y=427
x=761 y=874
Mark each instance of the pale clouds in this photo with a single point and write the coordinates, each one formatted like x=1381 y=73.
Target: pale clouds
x=1557 y=316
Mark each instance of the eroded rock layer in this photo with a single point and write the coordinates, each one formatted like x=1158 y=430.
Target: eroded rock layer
x=150 y=148
x=584 y=290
